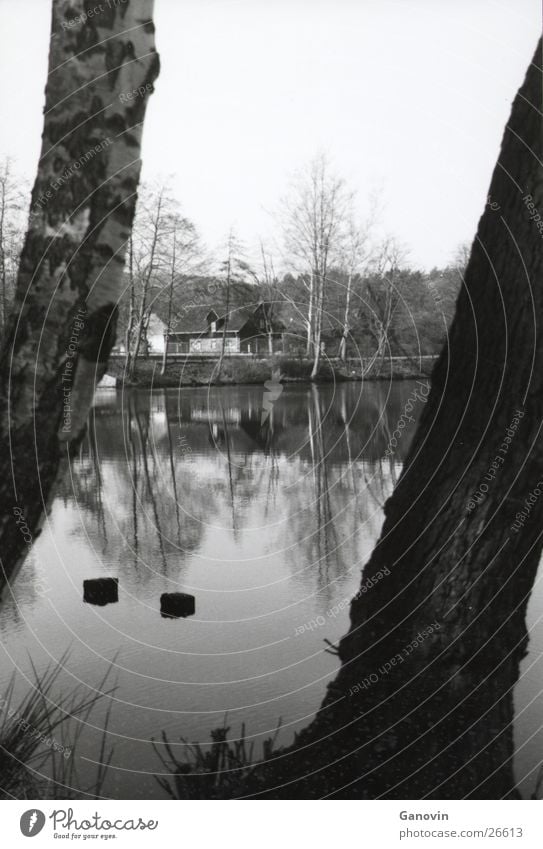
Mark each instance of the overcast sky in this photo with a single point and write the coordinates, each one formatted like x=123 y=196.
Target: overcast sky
x=408 y=97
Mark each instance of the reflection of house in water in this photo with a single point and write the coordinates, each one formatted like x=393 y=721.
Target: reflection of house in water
x=367 y=415
x=242 y=425
x=356 y=422
x=264 y=435
x=231 y=415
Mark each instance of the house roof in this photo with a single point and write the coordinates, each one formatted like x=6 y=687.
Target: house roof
x=193 y=319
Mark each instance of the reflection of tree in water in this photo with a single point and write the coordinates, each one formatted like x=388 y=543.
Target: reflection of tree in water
x=313 y=475
x=255 y=474
x=317 y=534
x=29 y=589
x=326 y=550
x=84 y=482
x=247 y=463
x=380 y=475
x=141 y=424
x=174 y=478
x=126 y=487
x=343 y=480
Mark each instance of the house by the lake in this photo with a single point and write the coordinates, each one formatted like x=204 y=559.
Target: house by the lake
x=199 y=330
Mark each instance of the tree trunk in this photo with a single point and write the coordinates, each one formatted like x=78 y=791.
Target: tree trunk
x=319 y=306
x=310 y=310
x=132 y=310
x=422 y=704
x=170 y=302
x=342 y=349
x=226 y=314
x=144 y=310
x=71 y=270
x=346 y=329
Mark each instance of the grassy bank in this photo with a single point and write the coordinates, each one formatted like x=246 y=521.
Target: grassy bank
x=247 y=371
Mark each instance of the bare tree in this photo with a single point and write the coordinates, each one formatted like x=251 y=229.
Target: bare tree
x=269 y=291
x=186 y=258
x=147 y=260
x=132 y=307
x=164 y=251
x=313 y=216
x=233 y=270
x=269 y=287
x=356 y=255
x=12 y=206
x=101 y=73
x=383 y=293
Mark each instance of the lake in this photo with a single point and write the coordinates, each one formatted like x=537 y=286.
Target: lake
x=264 y=504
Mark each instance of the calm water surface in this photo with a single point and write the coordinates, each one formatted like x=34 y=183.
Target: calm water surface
x=267 y=524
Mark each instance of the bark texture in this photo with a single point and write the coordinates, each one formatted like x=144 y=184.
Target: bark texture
x=102 y=65
x=436 y=722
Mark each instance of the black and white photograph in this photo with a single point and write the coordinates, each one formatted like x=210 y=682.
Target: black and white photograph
x=271 y=421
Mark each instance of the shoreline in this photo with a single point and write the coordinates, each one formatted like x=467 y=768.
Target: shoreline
x=259 y=371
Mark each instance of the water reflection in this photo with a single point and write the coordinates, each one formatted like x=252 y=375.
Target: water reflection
x=180 y=464
x=267 y=524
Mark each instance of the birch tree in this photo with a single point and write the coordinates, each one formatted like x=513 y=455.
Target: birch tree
x=101 y=73
x=147 y=263
x=314 y=215
x=165 y=251
x=186 y=258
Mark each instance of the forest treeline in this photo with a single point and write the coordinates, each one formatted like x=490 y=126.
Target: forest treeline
x=330 y=278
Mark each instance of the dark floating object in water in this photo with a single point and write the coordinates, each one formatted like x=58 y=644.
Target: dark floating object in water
x=101 y=591
x=176 y=605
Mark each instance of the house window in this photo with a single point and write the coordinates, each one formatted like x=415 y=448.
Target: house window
x=213 y=326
